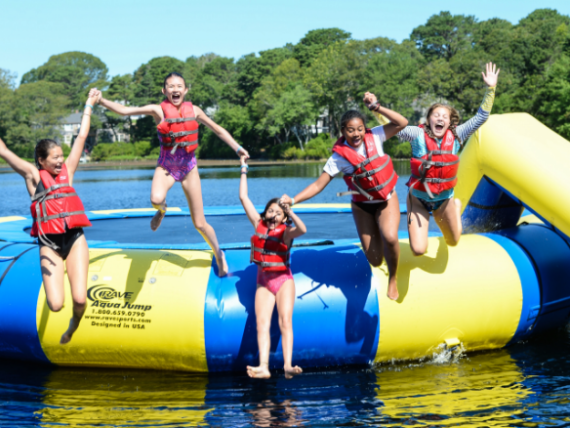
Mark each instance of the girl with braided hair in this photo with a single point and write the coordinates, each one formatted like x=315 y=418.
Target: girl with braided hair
x=435 y=146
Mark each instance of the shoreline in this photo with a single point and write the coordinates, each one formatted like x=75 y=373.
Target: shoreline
x=201 y=163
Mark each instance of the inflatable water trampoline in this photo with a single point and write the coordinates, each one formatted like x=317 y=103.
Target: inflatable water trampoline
x=160 y=305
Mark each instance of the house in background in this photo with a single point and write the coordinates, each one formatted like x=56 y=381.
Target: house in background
x=70 y=129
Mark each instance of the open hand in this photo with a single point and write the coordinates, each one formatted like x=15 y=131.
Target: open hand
x=369 y=99
x=492 y=74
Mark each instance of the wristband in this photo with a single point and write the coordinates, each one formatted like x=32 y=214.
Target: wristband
x=373 y=106
x=89 y=105
x=238 y=149
x=292 y=201
x=246 y=166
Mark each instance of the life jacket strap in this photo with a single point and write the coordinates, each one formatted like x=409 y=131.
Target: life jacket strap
x=59 y=215
x=373 y=189
x=41 y=195
x=366 y=162
x=270 y=253
x=434 y=180
x=267 y=237
x=370 y=173
x=272 y=264
x=180 y=119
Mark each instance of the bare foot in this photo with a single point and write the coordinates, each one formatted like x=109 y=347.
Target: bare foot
x=66 y=337
x=393 y=289
x=157 y=219
x=292 y=371
x=223 y=266
x=261 y=372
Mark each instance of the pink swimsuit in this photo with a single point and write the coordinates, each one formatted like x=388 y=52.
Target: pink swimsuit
x=273 y=280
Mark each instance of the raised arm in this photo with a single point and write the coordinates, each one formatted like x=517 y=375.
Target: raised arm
x=148 y=110
x=396 y=122
x=79 y=144
x=222 y=134
x=308 y=192
x=490 y=78
x=248 y=206
x=28 y=171
x=299 y=229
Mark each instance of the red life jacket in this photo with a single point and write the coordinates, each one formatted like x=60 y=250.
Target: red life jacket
x=437 y=170
x=56 y=206
x=179 y=127
x=268 y=249
x=374 y=177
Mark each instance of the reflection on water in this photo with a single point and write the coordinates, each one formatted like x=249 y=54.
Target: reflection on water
x=526 y=385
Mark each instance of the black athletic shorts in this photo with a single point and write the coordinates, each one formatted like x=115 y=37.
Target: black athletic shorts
x=370 y=208
x=64 y=241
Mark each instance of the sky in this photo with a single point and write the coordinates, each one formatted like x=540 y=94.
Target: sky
x=128 y=33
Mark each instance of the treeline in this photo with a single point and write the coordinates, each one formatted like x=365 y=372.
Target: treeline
x=273 y=102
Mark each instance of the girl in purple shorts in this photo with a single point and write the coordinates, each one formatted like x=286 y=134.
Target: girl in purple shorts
x=270 y=246
x=177 y=124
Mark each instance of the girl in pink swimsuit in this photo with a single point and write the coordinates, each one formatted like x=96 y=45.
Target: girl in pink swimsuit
x=275 y=284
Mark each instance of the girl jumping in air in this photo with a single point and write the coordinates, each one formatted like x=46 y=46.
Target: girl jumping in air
x=270 y=247
x=59 y=217
x=177 y=124
x=371 y=179
x=434 y=164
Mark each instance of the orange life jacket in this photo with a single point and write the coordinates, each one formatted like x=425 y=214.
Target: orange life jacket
x=374 y=177
x=179 y=127
x=268 y=249
x=437 y=170
x=56 y=206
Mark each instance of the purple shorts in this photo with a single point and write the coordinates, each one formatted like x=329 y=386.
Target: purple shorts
x=179 y=164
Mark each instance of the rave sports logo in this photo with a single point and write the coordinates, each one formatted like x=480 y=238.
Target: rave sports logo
x=102 y=292
x=102 y=296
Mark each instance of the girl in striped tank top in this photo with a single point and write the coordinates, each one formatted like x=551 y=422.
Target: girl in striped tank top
x=435 y=147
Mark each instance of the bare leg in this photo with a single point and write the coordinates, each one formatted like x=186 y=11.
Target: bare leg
x=379 y=236
x=285 y=301
x=418 y=225
x=448 y=218
x=162 y=182
x=369 y=233
x=389 y=223
x=52 y=269
x=193 y=192
x=77 y=267
x=264 y=304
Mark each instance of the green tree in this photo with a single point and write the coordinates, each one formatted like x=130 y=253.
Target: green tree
x=77 y=72
x=444 y=35
x=121 y=89
x=315 y=41
x=334 y=80
x=38 y=110
x=392 y=74
x=213 y=81
x=7 y=80
x=149 y=79
x=237 y=121
x=284 y=107
x=252 y=69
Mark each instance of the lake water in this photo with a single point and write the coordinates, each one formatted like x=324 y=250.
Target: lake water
x=525 y=385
